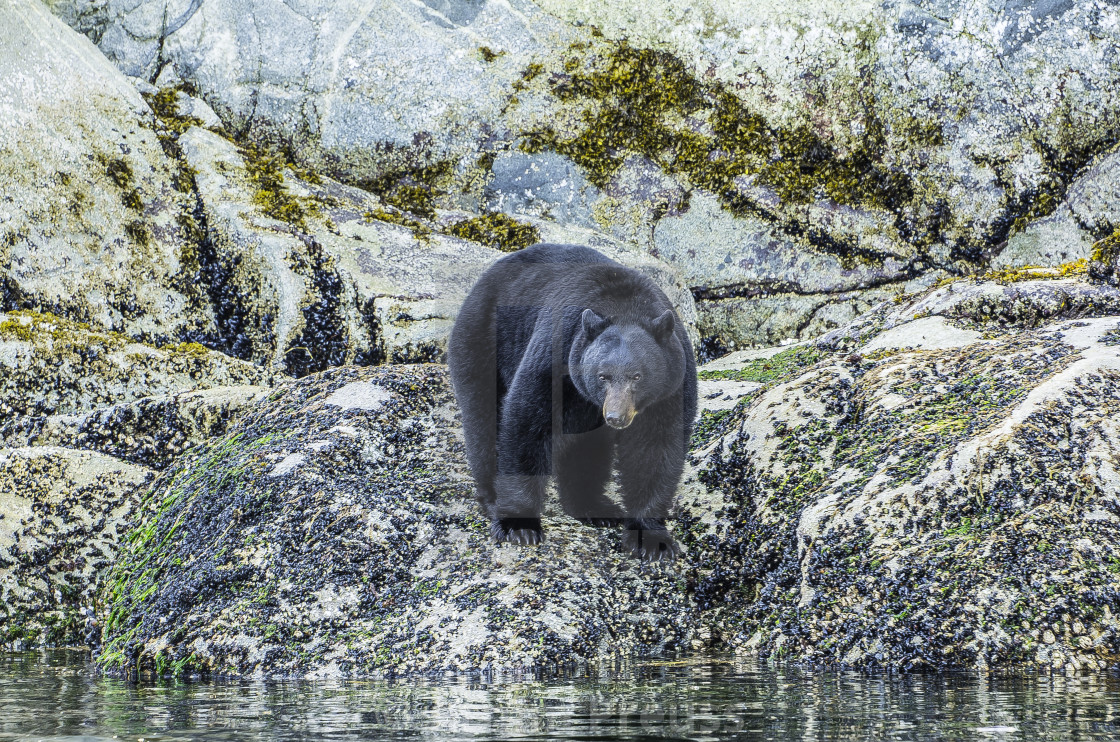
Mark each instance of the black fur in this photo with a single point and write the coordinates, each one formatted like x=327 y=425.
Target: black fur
x=531 y=367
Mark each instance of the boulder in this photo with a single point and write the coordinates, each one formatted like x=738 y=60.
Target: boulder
x=852 y=148
x=93 y=212
x=863 y=500
x=62 y=514
x=333 y=532
x=922 y=495
x=346 y=83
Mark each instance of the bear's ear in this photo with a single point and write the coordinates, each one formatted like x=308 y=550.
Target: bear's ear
x=593 y=324
x=664 y=325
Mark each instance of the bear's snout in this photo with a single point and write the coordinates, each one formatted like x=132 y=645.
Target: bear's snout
x=618 y=408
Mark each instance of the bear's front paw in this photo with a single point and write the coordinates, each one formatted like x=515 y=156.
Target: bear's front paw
x=650 y=541
x=525 y=531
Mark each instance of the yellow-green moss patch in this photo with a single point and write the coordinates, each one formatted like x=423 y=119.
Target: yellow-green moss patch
x=498 y=231
x=645 y=101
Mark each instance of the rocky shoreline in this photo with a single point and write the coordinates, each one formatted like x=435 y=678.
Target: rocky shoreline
x=229 y=264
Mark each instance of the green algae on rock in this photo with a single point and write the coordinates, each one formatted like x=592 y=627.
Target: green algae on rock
x=332 y=532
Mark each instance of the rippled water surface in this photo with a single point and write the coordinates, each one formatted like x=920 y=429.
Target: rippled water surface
x=55 y=696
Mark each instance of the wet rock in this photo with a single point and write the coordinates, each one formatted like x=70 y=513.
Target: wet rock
x=923 y=494
x=63 y=514
x=91 y=220
x=150 y=432
x=51 y=366
x=333 y=532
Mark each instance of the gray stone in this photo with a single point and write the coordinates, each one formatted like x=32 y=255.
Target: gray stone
x=717 y=250
x=1051 y=241
x=927 y=333
x=1095 y=197
x=91 y=222
x=349 y=84
x=544 y=185
x=736 y=323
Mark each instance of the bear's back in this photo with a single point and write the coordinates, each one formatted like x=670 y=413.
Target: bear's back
x=546 y=252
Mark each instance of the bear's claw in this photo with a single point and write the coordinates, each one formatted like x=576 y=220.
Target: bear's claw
x=524 y=531
x=601 y=522
x=651 y=542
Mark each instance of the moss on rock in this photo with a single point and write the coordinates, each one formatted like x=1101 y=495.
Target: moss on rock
x=496 y=230
x=644 y=101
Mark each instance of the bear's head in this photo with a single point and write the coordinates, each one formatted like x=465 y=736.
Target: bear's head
x=624 y=367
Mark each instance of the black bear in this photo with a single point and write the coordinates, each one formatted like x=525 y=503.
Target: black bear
x=565 y=362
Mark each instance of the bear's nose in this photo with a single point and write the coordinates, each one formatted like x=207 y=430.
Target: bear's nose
x=616 y=420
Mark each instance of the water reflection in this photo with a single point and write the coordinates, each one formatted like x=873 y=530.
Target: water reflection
x=54 y=696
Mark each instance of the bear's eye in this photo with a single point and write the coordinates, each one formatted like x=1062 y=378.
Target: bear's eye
x=636 y=377
x=604 y=377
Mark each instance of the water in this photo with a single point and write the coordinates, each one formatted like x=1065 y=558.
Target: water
x=54 y=696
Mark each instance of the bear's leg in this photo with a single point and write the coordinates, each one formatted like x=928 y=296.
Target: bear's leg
x=583 y=468
x=524 y=464
x=478 y=389
x=651 y=457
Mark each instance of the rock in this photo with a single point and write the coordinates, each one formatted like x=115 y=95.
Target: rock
x=926 y=333
x=911 y=508
x=335 y=534
x=864 y=141
x=733 y=323
x=91 y=220
x=545 y=185
x=150 y=432
x=343 y=83
x=1094 y=198
x=1019 y=302
x=63 y=513
x=758 y=286
x=320 y=273
x=1105 y=263
x=51 y=366
x=1053 y=240
x=722 y=255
